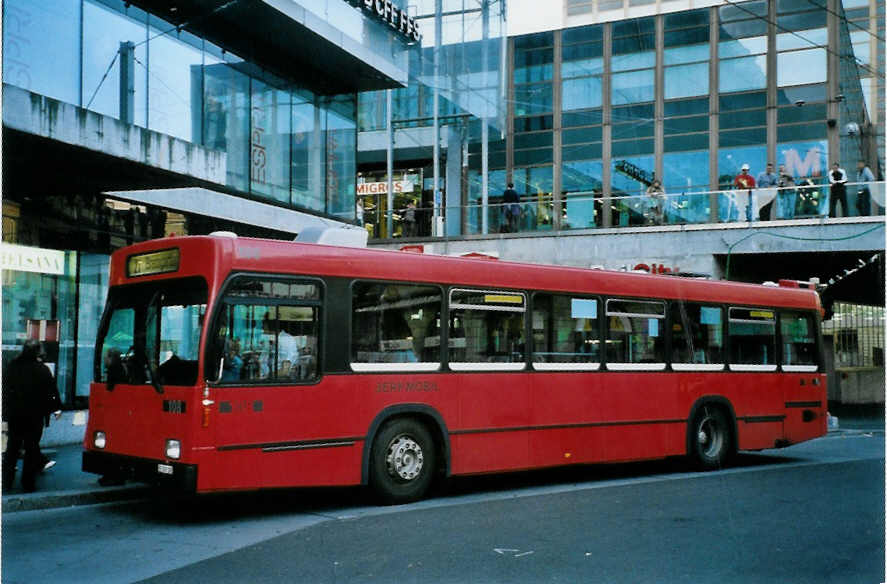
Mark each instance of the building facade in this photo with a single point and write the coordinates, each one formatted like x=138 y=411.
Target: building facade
x=124 y=121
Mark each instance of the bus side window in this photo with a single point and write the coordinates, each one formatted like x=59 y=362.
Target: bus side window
x=268 y=331
x=798 y=335
x=636 y=334
x=697 y=334
x=752 y=334
x=566 y=332
x=395 y=326
x=491 y=325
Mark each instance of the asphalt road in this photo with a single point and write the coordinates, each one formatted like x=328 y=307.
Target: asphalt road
x=810 y=513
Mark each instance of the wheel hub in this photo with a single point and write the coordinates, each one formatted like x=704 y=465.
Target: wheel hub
x=405 y=458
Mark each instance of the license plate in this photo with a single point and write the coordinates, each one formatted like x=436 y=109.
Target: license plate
x=164 y=468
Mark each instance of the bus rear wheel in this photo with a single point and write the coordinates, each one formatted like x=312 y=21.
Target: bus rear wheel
x=710 y=439
x=402 y=461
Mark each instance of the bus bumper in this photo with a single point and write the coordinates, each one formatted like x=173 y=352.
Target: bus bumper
x=176 y=475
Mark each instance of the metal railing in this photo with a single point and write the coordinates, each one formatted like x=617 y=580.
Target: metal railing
x=593 y=210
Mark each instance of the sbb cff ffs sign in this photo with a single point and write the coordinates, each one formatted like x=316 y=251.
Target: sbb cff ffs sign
x=396 y=18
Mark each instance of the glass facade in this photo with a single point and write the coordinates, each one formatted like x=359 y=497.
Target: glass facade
x=282 y=143
x=278 y=142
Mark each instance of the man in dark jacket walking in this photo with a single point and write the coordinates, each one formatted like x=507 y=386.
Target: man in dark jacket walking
x=30 y=395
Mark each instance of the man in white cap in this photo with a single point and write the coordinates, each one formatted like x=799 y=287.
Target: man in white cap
x=744 y=181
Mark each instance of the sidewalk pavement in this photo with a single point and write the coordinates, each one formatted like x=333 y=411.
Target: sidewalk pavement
x=66 y=485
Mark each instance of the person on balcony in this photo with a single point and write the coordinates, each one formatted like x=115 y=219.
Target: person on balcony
x=837 y=178
x=864 y=196
x=745 y=181
x=787 y=197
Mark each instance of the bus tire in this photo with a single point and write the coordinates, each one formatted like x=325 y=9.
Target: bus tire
x=402 y=461
x=711 y=441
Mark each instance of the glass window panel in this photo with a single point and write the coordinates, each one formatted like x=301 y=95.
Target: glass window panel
x=535 y=156
x=637 y=26
x=752 y=336
x=685 y=19
x=686 y=54
x=532 y=99
x=582 y=67
x=395 y=323
x=686 y=107
x=46 y=68
x=585 y=118
x=582 y=152
x=743 y=74
x=632 y=147
x=633 y=87
x=742 y=47
x=803 y=40
x=174 y=84
x=103 y=31
x=743 y=119
x=308 y=153
x=636 y=337
x=533 y=140
x=686 y=80
x=684 y=173
x=226 y=119
x=582 y=93
x=340 y=146
x=532 y=124
x=682 y=125
x=686 y=142
x=270 y=134
x=532 y=66
x=630 y=61
x=582 y=176
x=730 y=160
x=743 y=29
x=803 y=21
x=807 y=113
x=801 y=67
x=625 y=181
x=798 y=332
x=800 y=132
x=742 y=101
x=566 y=330
x=742 y=137
x=690 y=36
x=534 y=41
x=583 y=34
x=808 y=93
x=697 y=334
x=743 y=10
x=637 y=129
x=804 y=159
x=487 y=327
x=592 y=134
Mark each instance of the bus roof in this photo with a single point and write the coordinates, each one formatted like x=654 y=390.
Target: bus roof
x=264 y=255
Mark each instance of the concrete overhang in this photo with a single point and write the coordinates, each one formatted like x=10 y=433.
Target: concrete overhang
x=202 y=201
x=283 y=37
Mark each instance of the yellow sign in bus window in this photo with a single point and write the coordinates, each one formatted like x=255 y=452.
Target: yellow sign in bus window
x=155 y=262
x=503 y=299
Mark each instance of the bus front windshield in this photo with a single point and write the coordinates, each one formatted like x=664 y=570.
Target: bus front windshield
x=151 y=334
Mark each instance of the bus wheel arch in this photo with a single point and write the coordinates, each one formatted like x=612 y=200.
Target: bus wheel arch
x=712 y=436
x=414 y=430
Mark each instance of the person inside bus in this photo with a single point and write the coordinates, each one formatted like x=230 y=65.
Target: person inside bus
x=233 y=361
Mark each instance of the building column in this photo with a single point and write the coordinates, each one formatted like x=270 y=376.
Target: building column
x=713 y=111
x=606 y=131
x=557 y=101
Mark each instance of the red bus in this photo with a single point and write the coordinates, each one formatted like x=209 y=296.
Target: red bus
x=228 y=363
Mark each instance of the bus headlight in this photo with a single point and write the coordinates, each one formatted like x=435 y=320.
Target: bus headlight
x=173 y=449
x=99 y=440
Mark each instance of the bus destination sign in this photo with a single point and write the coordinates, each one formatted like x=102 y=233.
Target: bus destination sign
x=155 y=262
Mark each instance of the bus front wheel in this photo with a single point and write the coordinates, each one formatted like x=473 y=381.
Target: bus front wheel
x=402 y=461
x=710 y=439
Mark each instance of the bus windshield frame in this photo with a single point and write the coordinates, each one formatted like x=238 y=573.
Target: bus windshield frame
x=151 y=333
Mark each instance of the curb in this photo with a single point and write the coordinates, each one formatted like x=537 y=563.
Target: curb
x=53 y=499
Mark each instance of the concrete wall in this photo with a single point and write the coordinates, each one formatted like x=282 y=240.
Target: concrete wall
x=50 y=118
x=858 y=386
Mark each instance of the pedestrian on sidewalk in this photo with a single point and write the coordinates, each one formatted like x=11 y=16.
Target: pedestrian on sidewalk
x=30 y=396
